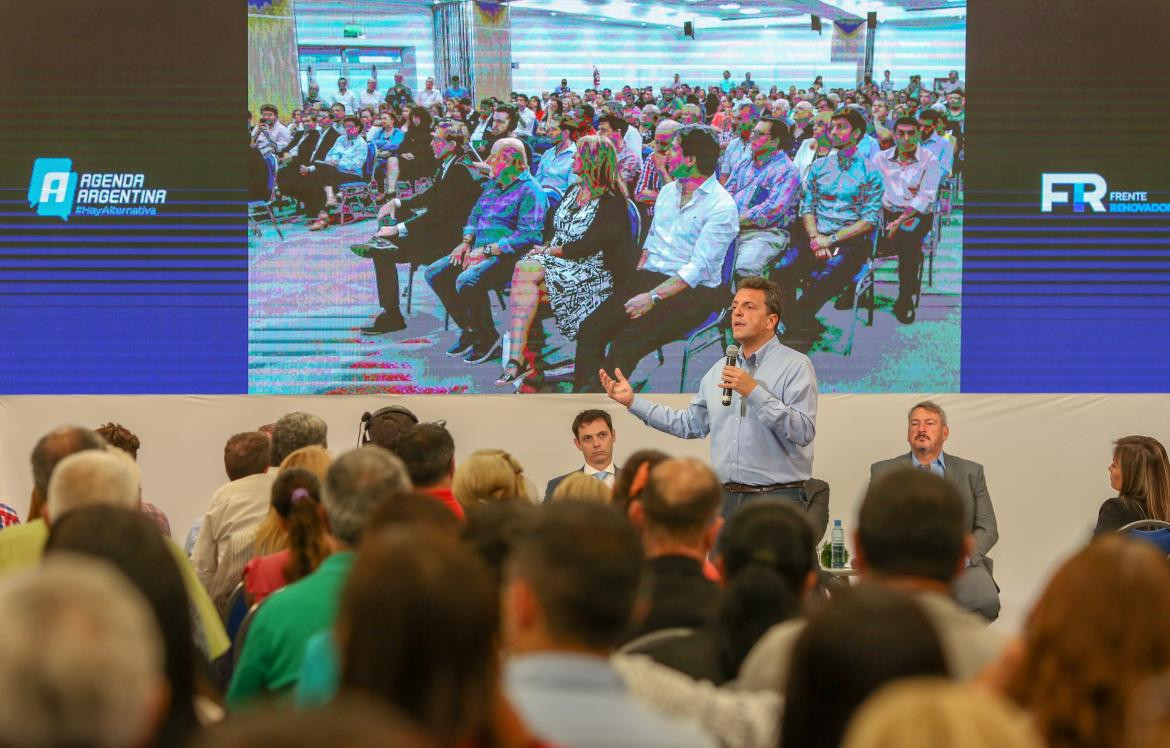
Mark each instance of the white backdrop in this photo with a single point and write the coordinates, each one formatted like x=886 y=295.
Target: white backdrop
x=1045 y=455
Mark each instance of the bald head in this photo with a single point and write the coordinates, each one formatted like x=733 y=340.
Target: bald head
x=92 y=477
x=681 y=498
x=510 y=148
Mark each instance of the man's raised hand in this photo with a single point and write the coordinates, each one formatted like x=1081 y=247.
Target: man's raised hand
x=617 y=387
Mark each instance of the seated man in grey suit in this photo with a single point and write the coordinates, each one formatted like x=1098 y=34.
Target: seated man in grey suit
x=594 y=436
x=974 y=589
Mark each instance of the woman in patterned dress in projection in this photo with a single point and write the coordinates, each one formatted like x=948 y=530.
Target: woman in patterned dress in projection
x=589 y=248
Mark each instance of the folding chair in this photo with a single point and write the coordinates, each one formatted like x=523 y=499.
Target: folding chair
x=260 y=209
x=356 y=199
x=717 y=321
x=863 y=288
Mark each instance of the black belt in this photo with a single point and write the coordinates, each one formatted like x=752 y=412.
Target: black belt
x=741 y=488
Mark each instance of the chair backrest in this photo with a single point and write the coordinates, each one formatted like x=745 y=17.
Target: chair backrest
x=235 y=610
x=635 y=221
x=1152 y=531
x=371 y=158
x=647 y=642
x=242 y=634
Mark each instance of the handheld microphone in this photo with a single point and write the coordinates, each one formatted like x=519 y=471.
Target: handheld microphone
x=732 y=354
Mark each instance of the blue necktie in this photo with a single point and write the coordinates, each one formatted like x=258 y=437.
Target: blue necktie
x=601 y=476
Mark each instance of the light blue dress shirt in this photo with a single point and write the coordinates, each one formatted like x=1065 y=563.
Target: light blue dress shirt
x=943 y=150
x=763 y=439
x=938 y=467
x=840 y=190
x=556 y=169
x=580 y=701
x=691 y=241
x=350 y=154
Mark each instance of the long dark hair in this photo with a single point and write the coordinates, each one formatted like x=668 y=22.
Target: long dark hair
x=130 y=541
x=425 y=121
x=296 y=497
x=417 y=629
x=768 y=552
x=861 y=640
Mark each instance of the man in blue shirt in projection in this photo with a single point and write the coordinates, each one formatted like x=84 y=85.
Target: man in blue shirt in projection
x=762 y=432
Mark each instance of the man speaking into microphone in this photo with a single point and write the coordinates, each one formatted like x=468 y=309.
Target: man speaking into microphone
x=762 y=439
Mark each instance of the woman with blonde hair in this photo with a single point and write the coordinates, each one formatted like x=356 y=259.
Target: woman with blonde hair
x=272 y=534
x=490 y=475
x=1141 y=476
x=932 y=712
x=582 y=487
x=588 y=251
x=1098 y=633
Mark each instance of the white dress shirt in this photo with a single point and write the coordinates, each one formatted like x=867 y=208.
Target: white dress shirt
x=349 y=100
x=272 y=140
x=527 y=120
x=634 y=141
x=429 y=98
x=913 y=184
x=691 y=241
x=224 y=544
x=610 y=472
x=372 y=100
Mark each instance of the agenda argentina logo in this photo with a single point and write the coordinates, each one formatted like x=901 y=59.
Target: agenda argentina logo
x=56 y=190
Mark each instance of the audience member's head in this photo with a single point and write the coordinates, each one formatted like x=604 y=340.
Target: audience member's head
x=131 y=542
x=927 y=430
x=697 y=149
x=769 y=564
x=631 y=481
x=1140 y=474
x=428 y=451
x=912 y=526
x=581 y=487
x=387 y=425
x=572 y=582
x=246 y=454
x=678 y=512
x=294 y=431
x=348 y=721
x=51 y=449
x=863 y=639
x=417 y=629
x=492 y=531
x=92 y=477
x=296 y=500
x=1097 y=633
x=415 y=509
x=594 y=437
x=933 y=712
x=596 y=163
x=117 y=435
x=81 y=660
x=356 y=484
x=489 y=475
x=315 y=459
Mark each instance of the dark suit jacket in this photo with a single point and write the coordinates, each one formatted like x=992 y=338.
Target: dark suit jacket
x=1116 y=513
x=552 y=484
x=967 y=476
x=437 y=216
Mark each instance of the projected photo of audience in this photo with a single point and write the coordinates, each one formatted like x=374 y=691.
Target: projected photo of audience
x=476 y=197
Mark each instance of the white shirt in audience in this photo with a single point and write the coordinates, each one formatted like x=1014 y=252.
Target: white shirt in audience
x=371 y=100
x=224 y=544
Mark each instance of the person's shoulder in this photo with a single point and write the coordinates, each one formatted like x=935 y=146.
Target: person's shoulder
x=961 y=463
x=882 y=466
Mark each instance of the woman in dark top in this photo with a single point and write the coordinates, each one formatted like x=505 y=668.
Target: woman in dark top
x=1140 y=473
x=415 y=158
x=589 y=249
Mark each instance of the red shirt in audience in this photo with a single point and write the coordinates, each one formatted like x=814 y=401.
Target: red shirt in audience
x=444 y=495
x=265 y=575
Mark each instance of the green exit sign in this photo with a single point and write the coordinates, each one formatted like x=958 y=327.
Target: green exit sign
x=352 y=32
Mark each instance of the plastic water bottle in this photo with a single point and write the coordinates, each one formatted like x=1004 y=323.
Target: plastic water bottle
x=837 y=543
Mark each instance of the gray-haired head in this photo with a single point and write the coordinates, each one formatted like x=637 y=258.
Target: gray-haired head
x=294 y=431
x=81 y=657
x=93 y=477
x=356 y=484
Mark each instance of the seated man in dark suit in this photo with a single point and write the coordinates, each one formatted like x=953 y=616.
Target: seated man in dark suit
x=421 y=228
x=974 y=588
x=678 y=516
x=313 y=147
x=594 y=436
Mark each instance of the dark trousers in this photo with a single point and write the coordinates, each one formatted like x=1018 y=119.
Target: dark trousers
x=464 y=292
x=823 y=279
x=633 y=338
x=907 y=245
x=316 y=182
x=416 y=248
